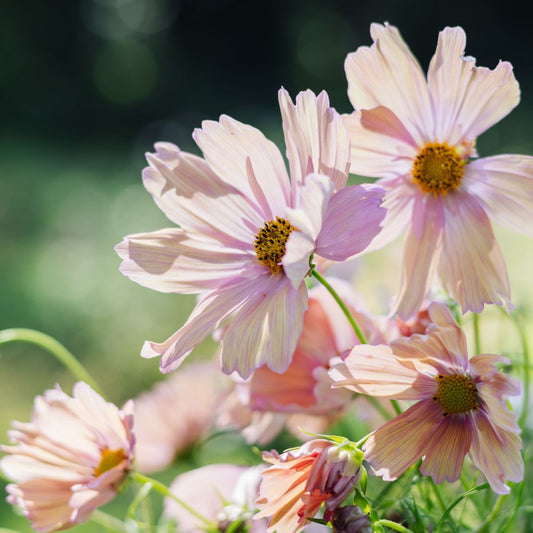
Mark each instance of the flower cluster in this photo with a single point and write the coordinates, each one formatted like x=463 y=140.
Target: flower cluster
x=259 y=244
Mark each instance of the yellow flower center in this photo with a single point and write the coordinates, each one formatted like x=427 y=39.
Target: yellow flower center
x=438 y=169
x=109 y=459
x=456 y=394
x=270 y=243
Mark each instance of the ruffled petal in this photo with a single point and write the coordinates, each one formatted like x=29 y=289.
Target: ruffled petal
x=496 y=453
x=168 y=260
x=399 y=443
x=467 y=100
x=353 y=218
x=387 y=74
x=243 y=157
x=316 y=138
x=504 y=186
x=471 y=266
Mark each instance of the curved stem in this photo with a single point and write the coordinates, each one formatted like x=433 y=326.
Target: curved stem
x=342 y=305
x=477 y=339
x=494 y=513
x=392 y=525
x=109 y=522
x=53 y=347
x=165 y=491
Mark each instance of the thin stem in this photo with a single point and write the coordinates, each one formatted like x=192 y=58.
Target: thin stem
x=477 y=339
x=53 y=347
x=376 y=404
x=515 y=508
x=342 y=305
x=494 y=513
x=163 y=489
x=392 y=525
x=437 y=494
x=109 y=522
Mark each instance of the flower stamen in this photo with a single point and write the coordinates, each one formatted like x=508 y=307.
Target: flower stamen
x=456 y=394
x=109 y=459
x=438 y=169
x=270 y=243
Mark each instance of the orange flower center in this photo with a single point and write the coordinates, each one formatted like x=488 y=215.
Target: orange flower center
x=109 y=459
x=270 y=243
x=456 y=394
x=438 y=169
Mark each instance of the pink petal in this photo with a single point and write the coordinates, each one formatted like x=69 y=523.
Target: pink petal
x=387 y=74
x=496 y=453
x=169 y=260
x=352 y=220
x=467 y=100
x=315 y=137
x=187 y=190
x=243 y=157
x=399 y=443
x=504 y=185
x=420 y=255
x=471 y=266
x=381 y=147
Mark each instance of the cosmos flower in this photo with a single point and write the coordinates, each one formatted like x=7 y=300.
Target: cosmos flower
x=300 y=480
x=419 y=137
x=247 y=233
x=70 y=459
x=460 y=405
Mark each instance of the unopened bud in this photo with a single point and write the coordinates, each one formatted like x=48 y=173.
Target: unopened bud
x=350 y=519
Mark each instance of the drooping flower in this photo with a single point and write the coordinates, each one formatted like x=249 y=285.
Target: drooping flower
x=165 y=424
x=223 y=494
x=70 y=459
x=419 y=136
x=302 y=396
x=247 y=233
x=299 y=481
x=460 y=405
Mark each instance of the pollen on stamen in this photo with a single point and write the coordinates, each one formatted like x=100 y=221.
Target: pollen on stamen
x=438 y=169
x=456 y=394
x=270 y=243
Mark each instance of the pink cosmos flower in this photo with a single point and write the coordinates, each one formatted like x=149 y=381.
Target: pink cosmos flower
x=70 y=459
x=299 y=481
x=247 y=233
x=302 y=396
x=165 y=424
x=419 y=137
x=460 y=405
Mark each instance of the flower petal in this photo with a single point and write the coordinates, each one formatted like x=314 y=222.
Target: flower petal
x=467 y=100
x=243 y=157
x=168 y=260
x=316 y=138
x=471 y=265
x=353 y=218
x=387 y=74
x=504 y=185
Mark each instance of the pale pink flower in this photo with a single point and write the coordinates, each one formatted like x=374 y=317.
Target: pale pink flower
x=299 y=481
x=247 y=233
x=460 y=405
x=70 y=459
x=221 y=493
x=302 y=396
x=419 y=137
x=165 y=423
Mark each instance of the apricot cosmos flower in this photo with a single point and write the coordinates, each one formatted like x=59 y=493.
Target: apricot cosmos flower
x=461 y=405
x=70 y=459
x=419 y=136
x=247 y=233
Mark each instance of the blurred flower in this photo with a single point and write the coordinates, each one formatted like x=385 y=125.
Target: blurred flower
x=461 y=405
x=70 y=459
x=300 y=480
x=220 y=493
x=247 y=233
x=419 y=137
x=165 y=424
x=302 y=396
x=350 y=519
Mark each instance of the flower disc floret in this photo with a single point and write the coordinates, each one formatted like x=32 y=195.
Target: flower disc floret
x=108 y=461
x=270 y=243
x=438 y=169
x=456 y=394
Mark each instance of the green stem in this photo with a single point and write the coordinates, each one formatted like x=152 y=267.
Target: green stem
x=53 y=347
x=109 y=522
x=477 y=339
x=342 y=305
x=515 y=509
x=392 y=525
x=376 y=404
x=163 y=489
x=484 y=527
x=437 y=495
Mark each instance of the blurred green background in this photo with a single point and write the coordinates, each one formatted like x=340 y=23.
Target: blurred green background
x=87 y=86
